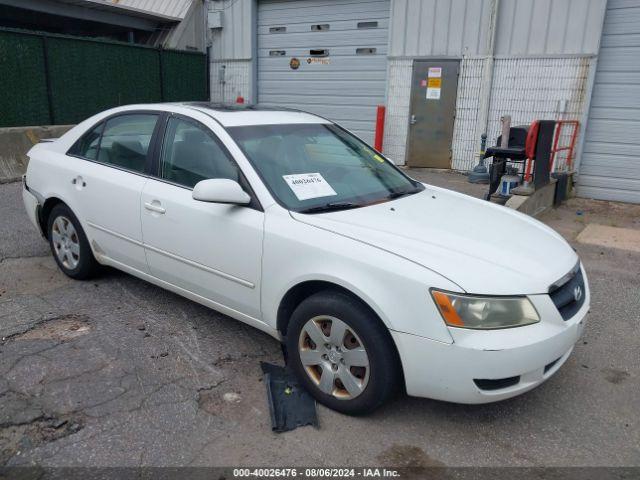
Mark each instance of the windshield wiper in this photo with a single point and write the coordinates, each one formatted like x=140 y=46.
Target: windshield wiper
x=393 y=195
x=329 y=207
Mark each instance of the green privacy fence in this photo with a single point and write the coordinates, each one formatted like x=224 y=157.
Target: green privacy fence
x=56 y=80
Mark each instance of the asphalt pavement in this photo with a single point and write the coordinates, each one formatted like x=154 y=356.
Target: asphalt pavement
x=117 y=372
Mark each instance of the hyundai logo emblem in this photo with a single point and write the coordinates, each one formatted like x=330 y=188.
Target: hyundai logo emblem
x=577 y=293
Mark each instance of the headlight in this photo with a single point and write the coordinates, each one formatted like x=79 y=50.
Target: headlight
x=485 y=313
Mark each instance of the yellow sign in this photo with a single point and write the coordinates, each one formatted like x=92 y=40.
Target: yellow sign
x=434 y=82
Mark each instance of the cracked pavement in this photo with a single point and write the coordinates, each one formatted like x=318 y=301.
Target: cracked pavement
x=117 y=372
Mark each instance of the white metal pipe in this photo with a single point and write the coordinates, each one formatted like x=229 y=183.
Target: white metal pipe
x=591 y=76
x=487 y=73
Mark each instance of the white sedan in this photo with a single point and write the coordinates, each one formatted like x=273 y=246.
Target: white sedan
x=286 y=221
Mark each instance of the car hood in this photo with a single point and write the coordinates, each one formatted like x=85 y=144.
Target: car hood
x=482 y=247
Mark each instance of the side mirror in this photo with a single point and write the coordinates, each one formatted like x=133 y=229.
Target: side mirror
x=220 y=190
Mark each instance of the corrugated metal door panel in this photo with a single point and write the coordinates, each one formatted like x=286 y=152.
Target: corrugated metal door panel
x=621 y=183
x=610 y=167
x=617 y=96
x=600 y=162
x=623 y=78
x=632 y=40
x=609 y=149
x=345 y=82
x=614 y=131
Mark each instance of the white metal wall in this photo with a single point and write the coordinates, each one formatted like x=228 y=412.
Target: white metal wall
x=610 y=166
x=438 y=27
x=525 y=27
x=232 y=51
x=347 y=84
x=549 y=27
x=234 y=41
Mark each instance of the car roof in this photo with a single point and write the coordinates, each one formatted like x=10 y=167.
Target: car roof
x=233 y=115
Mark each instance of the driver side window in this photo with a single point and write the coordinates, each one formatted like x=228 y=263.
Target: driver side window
x=191 y=153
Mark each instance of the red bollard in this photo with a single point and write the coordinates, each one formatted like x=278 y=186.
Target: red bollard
x=379 y=128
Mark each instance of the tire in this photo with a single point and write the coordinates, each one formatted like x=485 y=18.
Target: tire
x=365 y=388
x=69 y=244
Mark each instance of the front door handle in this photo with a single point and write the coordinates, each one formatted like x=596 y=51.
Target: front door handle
x=154 y=207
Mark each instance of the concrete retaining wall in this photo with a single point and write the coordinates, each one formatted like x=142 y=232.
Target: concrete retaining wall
x=15 y=142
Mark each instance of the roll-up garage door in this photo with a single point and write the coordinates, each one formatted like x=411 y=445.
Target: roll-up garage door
x=610 y=166
x=326 y=57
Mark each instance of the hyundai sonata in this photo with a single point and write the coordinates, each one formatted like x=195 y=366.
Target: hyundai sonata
x=286 y=221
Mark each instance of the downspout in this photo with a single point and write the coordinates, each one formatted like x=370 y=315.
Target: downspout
x=206 y=33
x=487 y=74
x=582 y=129
x=253 y=90
x=593 y=65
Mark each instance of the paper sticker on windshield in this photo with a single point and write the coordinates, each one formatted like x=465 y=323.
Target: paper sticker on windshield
x=309 y=185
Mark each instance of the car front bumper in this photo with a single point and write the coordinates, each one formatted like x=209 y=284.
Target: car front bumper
x=507 y=362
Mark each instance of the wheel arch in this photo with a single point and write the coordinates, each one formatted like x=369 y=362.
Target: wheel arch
x=303 y=290
x=45 y=210
x=297 y=294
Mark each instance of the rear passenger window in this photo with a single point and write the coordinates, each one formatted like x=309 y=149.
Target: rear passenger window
x=191 y=153
x=87 y=146
x=126 y=139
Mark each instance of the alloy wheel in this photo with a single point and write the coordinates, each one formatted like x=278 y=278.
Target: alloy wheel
x=66 y=243
x=334 y=357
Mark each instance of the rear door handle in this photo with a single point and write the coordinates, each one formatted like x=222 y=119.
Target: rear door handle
x=413 y=120
x=78 y=182
x=154 y=207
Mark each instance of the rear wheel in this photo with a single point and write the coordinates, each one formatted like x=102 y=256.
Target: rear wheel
x=69 y=244
x=342 y=353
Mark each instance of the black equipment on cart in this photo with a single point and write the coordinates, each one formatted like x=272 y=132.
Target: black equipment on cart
x=526 y=142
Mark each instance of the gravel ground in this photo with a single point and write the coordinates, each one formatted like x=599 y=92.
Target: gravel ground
x=116 y=372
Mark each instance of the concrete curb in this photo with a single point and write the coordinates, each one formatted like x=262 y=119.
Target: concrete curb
x=536 y=203
x=15 y=142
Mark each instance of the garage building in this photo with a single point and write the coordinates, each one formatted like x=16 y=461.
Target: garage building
x=445 y=71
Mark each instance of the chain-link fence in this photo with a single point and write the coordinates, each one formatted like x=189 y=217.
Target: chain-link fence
x=54 y=80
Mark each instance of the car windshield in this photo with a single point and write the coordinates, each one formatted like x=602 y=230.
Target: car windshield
x=313 y=168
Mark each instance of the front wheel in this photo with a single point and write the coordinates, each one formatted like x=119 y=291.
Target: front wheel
x=342 y=353
x=69 y=244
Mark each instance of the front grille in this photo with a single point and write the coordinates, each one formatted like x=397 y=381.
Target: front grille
x=569 y=297
x=486 y=384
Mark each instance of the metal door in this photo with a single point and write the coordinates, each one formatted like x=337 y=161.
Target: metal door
x=432 y=112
